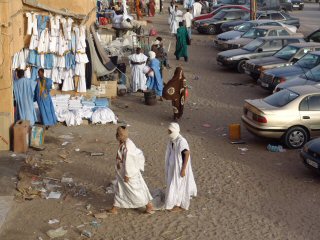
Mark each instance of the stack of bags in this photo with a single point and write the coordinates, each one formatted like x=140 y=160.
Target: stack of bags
x=61 y=101
x=88 y=106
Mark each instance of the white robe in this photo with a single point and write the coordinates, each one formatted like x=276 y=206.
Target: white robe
x=197 y=9
x=177 y=17
x=179 y=189
x=171 y=11
x=139 y=79
x=135 y=193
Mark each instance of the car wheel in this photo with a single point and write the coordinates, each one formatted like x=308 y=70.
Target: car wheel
x=212 y=29
x=295 y=137
x=300 y=8
x=240 y=66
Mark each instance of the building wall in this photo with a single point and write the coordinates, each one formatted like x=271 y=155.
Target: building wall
x=13 y=27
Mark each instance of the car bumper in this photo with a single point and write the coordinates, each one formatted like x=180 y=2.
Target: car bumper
x=220 y=44
x=310 y=161
x=226 y=63
x=262 y=131
x=297 y=6
x=254 y=74
x=265 y=85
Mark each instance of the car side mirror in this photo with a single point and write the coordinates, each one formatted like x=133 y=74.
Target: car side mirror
x=260 y=50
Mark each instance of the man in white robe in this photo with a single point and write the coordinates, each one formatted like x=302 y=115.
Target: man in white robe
x=131 y=190
x=177 y=16
x=171 y=9
x=138 y=78
x=180 y=184
x=196 y=9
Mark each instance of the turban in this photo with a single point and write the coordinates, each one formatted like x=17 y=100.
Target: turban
x=152 y=55
x=175 y=130
x=156 y=42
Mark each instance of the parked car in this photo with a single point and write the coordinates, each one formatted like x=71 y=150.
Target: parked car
x=292 y=115
x=297 y=4
x=286 y=5
x=212 y=25
x=312 y=77
x=284 y=57
x=310 y=154
x=258 y=48
x=278 y=16
x=214 y=12
x=314 y=36
x=255 y=32
x=269 y=79
x=243 y=28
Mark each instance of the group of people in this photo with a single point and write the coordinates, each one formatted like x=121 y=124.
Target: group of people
x=28 y=91
x=148 y=6
x=131 y=190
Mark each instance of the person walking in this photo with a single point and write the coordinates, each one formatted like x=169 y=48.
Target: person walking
x=182 y=39
x=131 y=190
x=154 y=81
x=197 y=7
x=180 y=183
x=176 y=19
x=187 y=17
x=175 y=90
x=138 y=78
x=43 y=98
x=152 y=8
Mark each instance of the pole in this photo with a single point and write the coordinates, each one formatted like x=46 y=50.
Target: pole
x=253 y=9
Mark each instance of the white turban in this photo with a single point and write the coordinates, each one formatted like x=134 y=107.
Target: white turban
x=175 y=130
x=152 y=55
x=156 y=42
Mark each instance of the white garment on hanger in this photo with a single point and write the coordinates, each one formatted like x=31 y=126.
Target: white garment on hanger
x=56 y=76
x=63 y=45
x=43 y=46
x=47 y=73
x=82 y=87
x=80 y=69
x=32 y=23
x=34 y=42
x=68 y=84
x=61 y=61
x=55 y=25
x=27 y=73
x=53 y=44
x=67 y=26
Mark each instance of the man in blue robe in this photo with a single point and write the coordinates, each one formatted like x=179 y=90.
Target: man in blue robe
x=24 y=93
x=43 y=98
x=154 y=80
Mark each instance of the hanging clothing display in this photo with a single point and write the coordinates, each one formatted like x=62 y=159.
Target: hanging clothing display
x=42 y=23
x=32 y=24
x=55 y=25
x=67 y=27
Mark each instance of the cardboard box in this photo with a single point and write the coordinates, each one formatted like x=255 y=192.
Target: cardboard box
x=108 y=89
x=4 y=131
x=21 y=136
x=37 y=136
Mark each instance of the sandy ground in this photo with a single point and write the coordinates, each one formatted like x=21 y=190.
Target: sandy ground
x=254 y=195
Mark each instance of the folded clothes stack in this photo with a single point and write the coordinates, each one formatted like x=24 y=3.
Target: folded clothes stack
x=75 y=103
x=61 y=101
x=102 y=103
x=88 y=103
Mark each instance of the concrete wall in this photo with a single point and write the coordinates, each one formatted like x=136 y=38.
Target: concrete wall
x=13 y=27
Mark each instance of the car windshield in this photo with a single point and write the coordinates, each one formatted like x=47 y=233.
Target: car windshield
x=308 y=61
x=281 y=98
x=287 y=52
x=220 y=15
x=254 y=33
x=252 y=46
x=313 y=74
x=244 y=27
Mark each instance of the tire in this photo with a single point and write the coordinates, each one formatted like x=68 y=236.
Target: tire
x=295 y=137
x=240 y=65
x=300 y=8
x=212 y=29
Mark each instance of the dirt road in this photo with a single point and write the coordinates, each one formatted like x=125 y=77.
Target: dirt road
x=252 y=194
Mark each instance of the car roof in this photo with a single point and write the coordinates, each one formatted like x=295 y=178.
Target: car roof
x=270 y=27
x=233 y=10
x=282 y=37
x=305 y=89
x=315 y=53
x=268 y=11
x=305 y=44
x=262 y=20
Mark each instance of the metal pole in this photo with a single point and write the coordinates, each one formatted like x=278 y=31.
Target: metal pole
x=253 y=9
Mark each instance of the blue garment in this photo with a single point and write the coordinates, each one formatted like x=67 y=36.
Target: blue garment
x=70 y=61
x=42 y=23
x=34 y=74
x=48 y=116
x=24 y=95
x=48 y=61
x=34 y=58
x=155 y=83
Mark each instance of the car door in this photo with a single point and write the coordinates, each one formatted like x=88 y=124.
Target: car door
x=310 y=113
x=268 y=48
x=272 y=33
